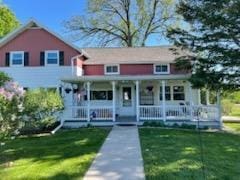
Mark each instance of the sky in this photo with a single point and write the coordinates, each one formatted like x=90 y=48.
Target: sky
x=52 y=13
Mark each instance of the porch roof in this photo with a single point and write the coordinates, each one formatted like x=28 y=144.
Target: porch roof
x=76 y=79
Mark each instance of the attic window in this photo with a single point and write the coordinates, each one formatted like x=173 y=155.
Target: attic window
x=16 y=58
x=111 y=69
x=161 y=69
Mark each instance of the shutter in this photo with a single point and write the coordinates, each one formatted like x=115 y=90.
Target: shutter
x=7 y=59
x=61 y=58
x=42 y=58
x=26 y=58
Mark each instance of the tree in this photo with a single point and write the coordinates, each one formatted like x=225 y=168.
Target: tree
x=8 y=20
x=3 y=78
x=122 y=22
x=211 y=32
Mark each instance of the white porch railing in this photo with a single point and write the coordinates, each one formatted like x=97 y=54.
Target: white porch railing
x=179 y=112
x=205 y=113
x=150 y=113
x=101 y=113
x=80 y=112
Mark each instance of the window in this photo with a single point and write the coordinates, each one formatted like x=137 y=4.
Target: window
x=161 y=69
x=17 y=58
x=51 y=57
x=178 y=93
x=101 y=95
x=111 y=69
x=167 y=93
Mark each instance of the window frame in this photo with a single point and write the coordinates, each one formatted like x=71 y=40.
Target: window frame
x=107 y=94
x=167 y=72
x=46 y=57
x=111 y=73
x=169 y=93
x=11 y=58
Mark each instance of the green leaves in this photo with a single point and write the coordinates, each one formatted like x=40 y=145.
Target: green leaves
x=8 y=20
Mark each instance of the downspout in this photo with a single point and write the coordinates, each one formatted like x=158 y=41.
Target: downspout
x=72 y=64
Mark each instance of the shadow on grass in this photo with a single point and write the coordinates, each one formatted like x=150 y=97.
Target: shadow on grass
x=65 y=155
x=175 y=154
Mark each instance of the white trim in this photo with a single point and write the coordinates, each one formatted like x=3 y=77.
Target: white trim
x=111 y=73
x=168 y=68
x=11 y=58
x=46 y=57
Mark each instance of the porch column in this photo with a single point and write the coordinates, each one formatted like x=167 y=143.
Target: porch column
x=199 y=96
x=219 y=115
x=88 y=101
x=207 y=97
x=190 y=100
x=137 y=100
x=114 y=100
x=163 y=101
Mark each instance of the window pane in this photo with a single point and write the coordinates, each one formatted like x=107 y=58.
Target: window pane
x=98 y=95
x=178 y=93
x=115 y=69
x=17 y=58
x=17 y=61
x=158 y=68
x=161 y=68
x=179 y=96
x=167 y=93
x=110 y=95
x=52 y=58
x=164 y=68
x=178 y=88
x=112 y=69
x=109 y=69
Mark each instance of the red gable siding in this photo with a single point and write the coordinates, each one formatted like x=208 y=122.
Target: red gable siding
x=93 y=70
x=136 y=69
x=34 y=41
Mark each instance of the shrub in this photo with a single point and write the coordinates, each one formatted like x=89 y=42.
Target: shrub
x=11 y=109
x=41 y=108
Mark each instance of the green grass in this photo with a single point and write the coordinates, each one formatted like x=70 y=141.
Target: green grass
x=235 y=111
x=233 y=126
x=65 y=155
x=175 y=154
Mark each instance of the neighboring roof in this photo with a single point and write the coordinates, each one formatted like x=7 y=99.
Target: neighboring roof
x=130 y=55
x=34 y=23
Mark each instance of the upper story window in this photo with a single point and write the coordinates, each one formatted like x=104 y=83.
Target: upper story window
x=51 y=57
x=17 y=58
x=161 y=69
x=111 y=69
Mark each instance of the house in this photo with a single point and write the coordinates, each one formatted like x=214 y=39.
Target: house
x=105 y=86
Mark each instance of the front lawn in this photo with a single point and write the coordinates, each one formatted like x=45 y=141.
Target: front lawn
x=65 y=155
x=233 y=126
x=175 y=154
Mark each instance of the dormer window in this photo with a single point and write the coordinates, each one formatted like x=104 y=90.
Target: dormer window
x=161 y=69
x=111 y=69
x=51 y=57
x=17 y=58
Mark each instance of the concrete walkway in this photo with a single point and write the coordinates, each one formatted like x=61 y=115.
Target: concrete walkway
x=119 y=158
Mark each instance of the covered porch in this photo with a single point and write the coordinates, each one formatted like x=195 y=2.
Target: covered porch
x=136 y=98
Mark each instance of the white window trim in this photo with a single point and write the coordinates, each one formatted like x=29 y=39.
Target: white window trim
x=111 y=73
x=168 y=68
x=11 y=58
x=46 y=55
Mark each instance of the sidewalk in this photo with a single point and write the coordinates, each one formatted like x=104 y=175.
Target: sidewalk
x=119 y=158
x=230 y=119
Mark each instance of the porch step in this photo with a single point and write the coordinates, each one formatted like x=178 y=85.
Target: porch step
x=125 y=119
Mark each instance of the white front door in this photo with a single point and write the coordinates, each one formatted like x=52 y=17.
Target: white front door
x=127 y=100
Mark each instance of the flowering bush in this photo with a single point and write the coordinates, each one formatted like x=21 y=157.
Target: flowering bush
x=11 y=107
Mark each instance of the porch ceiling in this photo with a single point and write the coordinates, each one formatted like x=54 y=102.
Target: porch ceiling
x=76 y=79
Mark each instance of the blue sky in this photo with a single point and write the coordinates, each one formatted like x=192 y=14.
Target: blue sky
x=52 y=13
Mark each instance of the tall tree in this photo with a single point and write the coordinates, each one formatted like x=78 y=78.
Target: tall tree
x=8 y=20
x=122 y=22
x=212 y=33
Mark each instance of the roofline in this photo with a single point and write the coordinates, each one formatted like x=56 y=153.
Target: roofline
x=77 y=79
x=24 y=27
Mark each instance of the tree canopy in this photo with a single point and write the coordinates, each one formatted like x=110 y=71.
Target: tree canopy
x=8 y=20
x=122 y=22
x=211 y=32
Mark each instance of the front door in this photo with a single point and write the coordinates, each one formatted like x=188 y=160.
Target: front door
x=127 y=101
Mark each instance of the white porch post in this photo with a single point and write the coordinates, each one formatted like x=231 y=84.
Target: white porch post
x=163 y=101
x=207 y=97
x=88 y=101
x=190 y=101
x=199 y=96
x=137 y=100
x=219 y=116
x=114 y=100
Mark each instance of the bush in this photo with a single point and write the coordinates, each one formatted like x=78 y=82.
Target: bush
x=227 y=107
x=154 y=123
x=41 y=109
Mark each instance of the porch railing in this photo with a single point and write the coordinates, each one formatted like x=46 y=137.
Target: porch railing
x=178 y=112
x=151 y=112
x=95 y=113
x=205 y=112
